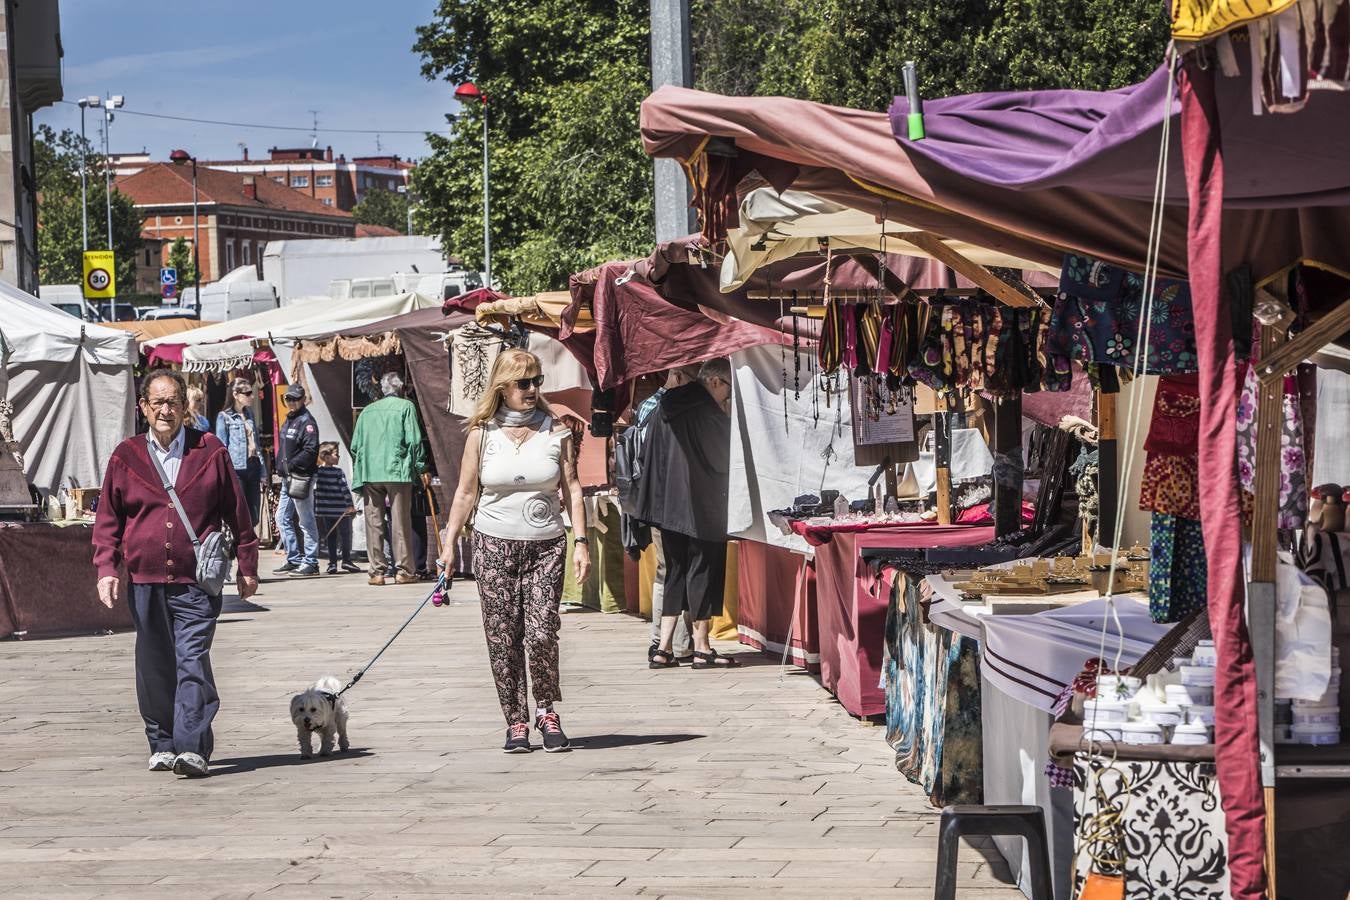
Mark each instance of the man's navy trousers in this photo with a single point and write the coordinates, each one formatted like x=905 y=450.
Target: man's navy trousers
x=175 y=687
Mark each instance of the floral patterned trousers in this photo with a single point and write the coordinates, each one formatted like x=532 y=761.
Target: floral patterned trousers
x=519 y=588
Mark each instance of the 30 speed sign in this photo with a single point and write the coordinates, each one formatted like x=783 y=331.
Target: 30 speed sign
x=99 y=267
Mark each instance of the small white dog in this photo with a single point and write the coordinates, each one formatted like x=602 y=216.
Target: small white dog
x=320 y=709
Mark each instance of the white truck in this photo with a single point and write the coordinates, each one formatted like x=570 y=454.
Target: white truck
x=354 y=267
x=238 y=294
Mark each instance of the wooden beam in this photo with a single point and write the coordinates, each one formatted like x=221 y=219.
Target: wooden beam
x=933 y=246
x=1313 y=338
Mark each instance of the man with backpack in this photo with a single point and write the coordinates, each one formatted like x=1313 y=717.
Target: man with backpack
x=628 y=473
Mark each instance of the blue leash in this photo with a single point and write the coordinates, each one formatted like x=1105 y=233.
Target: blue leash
x=440 y=583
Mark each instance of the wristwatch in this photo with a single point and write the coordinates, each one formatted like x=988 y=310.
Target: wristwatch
x=582 y=540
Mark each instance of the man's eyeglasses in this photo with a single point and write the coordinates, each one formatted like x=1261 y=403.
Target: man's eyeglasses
x=525 y=384
x=164 y=404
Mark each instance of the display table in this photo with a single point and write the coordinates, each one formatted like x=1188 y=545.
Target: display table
x=852 y=605
x=48 y=586
x=778 y=603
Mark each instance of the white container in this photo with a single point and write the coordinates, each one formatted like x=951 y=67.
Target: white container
x=1321 y=735
x=1200 y=676
x=1190 y=735
x=1118 y=687
x=1203 y=715
x=1205 y=654
x=1100 y=732
x=1141 y=733
x=1161 y=713
x=1190 y=695
x=1317 y=715
x=1102 y=710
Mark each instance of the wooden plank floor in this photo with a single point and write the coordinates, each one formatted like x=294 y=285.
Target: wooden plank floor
x=683 y=783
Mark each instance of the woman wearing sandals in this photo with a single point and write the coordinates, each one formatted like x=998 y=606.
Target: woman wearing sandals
x=518 y=460
x=683 y=492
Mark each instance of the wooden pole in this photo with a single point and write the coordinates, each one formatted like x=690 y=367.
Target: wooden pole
x=942 y=461
x=1108 y=458
x=1261 y=591
x=1009 y=467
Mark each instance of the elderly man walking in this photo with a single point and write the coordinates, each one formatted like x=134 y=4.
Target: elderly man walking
x=386 y=459
x=138 y=525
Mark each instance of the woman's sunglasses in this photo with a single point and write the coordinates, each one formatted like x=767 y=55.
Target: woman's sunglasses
x=244 y=393
x=525 y=384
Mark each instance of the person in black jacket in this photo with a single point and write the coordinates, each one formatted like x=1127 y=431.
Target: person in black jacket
x=683 y=491
x=297 y=461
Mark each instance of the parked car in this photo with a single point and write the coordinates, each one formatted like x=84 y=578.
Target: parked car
x=168 y=312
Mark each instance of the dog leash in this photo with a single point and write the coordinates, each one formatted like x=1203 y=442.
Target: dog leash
x=406 y=622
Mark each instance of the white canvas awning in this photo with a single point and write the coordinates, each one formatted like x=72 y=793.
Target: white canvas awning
x=777 y=226
x=71 y=385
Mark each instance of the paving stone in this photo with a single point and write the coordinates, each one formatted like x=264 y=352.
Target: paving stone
x=681 y=784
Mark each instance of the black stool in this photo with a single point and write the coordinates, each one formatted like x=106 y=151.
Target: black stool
x=1027 y=822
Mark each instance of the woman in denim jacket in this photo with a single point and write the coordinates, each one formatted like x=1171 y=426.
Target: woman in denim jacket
x=239 y=433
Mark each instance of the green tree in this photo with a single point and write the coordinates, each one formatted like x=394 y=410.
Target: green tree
x=851 y=53
x=180 y=258
x=571 y=186
x=381 y=207
x=60 y=245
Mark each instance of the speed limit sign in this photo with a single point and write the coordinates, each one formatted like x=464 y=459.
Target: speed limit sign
x=98 y=278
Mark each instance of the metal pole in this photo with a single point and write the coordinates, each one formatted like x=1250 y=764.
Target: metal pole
x=107 y=194
x=487 y=204
x=671 y=64
x=196 y=244
x=84 y=190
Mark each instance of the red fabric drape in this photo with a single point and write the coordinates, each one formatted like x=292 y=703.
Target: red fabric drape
x=1235 y=725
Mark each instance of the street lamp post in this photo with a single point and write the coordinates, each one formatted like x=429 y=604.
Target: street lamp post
x=466 y=93
x=113 y=102
x=179 y=157
x=85 y=103
x=403 y=189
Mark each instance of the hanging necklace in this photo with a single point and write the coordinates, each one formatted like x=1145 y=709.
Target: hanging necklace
x=796 y=353
x=783 y=346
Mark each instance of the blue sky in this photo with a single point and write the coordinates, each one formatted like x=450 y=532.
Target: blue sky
x=251 y=62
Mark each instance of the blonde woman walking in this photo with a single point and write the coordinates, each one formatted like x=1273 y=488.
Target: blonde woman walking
x=518 y=465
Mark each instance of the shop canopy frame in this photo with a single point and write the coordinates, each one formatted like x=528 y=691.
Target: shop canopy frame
x=1035 y=174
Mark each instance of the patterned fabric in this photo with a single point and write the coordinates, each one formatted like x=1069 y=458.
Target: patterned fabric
x=1096 y=319
x=932 y=701
x=1176 y=847
x=1171 y=473
x=519 y=587
x=1177 y=574
x=1293 y=510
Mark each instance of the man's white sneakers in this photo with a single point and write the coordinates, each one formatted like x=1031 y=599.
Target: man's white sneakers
x=162 y=762
x=191 y=765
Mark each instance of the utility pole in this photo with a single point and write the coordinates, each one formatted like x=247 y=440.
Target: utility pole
x=672 y=63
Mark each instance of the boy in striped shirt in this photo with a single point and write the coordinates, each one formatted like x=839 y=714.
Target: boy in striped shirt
x=333 y=507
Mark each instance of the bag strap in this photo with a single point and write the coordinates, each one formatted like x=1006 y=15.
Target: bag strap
x=173 y=496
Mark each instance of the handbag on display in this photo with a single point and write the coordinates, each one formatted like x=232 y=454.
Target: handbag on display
x=213 y=554
x=298 y=487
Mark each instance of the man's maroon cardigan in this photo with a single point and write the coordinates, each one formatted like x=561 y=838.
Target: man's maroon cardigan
x=137 y=525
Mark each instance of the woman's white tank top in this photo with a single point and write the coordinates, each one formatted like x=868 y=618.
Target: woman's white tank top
x=520 y=500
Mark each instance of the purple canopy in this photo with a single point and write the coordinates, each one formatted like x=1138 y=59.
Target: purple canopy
x=1108 y=141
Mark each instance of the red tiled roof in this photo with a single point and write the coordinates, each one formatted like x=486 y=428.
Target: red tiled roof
x=164 y=184
x=364 y=230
